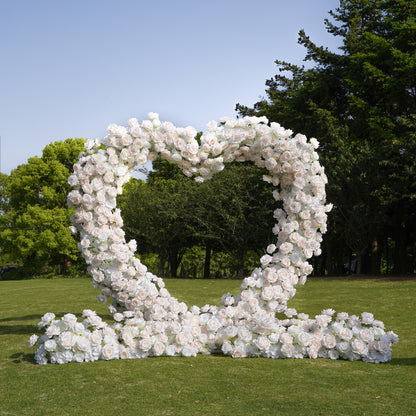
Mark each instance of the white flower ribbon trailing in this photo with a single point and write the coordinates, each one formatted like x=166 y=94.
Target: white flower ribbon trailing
x=151 y=322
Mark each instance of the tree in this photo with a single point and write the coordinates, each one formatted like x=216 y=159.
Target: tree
x=234 y=212
x=171 y=213
x=155 y=215
x=35 y=227
x=361 y=104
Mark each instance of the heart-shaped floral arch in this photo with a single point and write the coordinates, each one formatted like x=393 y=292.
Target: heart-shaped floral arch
x=149 y=321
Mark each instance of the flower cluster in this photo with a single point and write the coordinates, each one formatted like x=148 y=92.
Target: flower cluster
x=149 y=321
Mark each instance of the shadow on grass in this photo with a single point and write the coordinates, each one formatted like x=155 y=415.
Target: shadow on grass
x=402 y=361
x=20 y=357
x=21 y=318
x=18 y=329
x=386 y=278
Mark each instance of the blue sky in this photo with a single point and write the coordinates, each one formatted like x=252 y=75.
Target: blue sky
x=70 y=68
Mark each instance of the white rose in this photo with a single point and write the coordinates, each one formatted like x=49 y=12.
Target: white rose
x=50 y=345
x=270 y=275
x=213 y=324
x=265 y=260
x=239 y=352
x=53 y=329
x=32 y=340
x=145 y=344
x=83 y=343
x=286 y=248
x=96 y=338
x=263 y=343
x=382 y=346
x=367 y=318
x=342 y=316
x=333 y=354
x=345 y=334
x=67 y=340
x=329 y=341
x=188 y=351
x=48 y=317
x=367 y=335
x=304 y=339
x=286 y=338
x=358 y=346
x=287 y=350
x=109 y=352
x=267 y=293
x=343 y=347
x=158 y=348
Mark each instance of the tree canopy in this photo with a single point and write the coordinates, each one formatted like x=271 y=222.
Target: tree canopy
x=361 y=103
x=171 y=213
x=35 y=221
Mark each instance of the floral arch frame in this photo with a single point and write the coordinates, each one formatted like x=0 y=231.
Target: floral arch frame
x=149 y=321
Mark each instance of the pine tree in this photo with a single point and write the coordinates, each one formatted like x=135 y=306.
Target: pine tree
x=360 y=102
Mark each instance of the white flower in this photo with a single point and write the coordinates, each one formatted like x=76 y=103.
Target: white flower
x=345 y=334
x=95 y=338
x=314 y=143
x=367 y=335
x=342 y=316
x=333 y=354
x=109 y=352
x=50 y=345
x=67 y=340
x=69 y=319
x=343 y=347
x=244 y=334
x=286 y=338
x=46 y=319
x=263 y=343
x=188 y=351
x=287 y=350
x=53 y=329
x=367 y=318
x=158 y=348
x=393 y=337
x=304 y=339
x=265 y=260
x=286 y=248
x=83 y=343
x=213 y=324
x=323 y=320
x=32 y=340
x=290 y=312
x=358 y=346
x=270 y=275
x=329 y=341
x=267 y=293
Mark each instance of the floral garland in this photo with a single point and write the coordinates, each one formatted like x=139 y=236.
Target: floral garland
x=149 y=321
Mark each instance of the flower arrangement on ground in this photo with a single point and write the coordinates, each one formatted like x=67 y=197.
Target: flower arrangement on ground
x=151 y=322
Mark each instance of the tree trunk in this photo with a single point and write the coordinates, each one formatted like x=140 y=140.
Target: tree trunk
x=329 y=267
x=241 y=255
x=375 y=258
x=207 y=263
x=174 y=262
x=402 y=263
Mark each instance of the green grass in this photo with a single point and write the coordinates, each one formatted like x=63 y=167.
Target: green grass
x=208 y=385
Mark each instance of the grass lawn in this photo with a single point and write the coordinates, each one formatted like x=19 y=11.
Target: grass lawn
x=208 y=385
